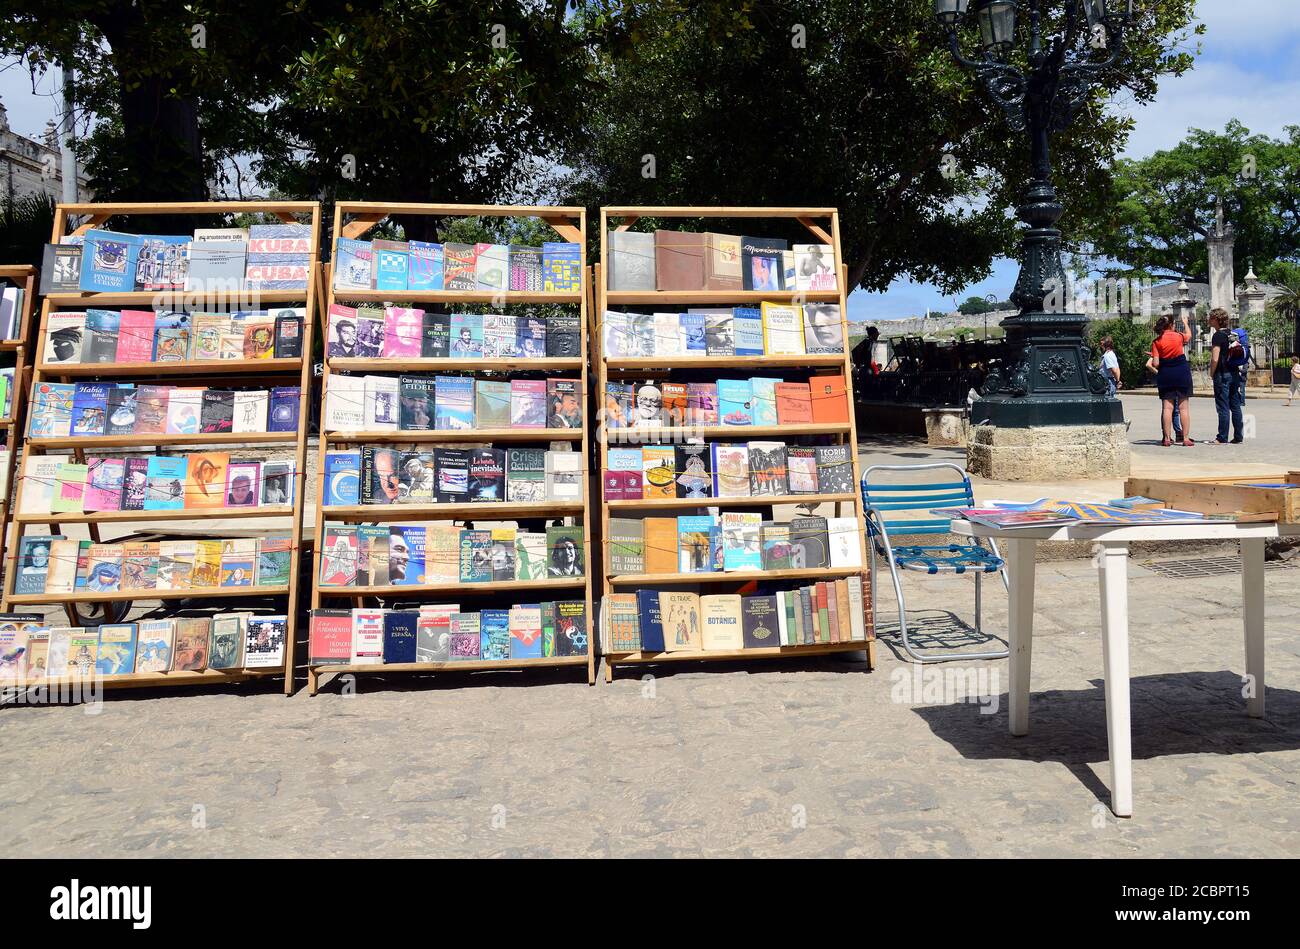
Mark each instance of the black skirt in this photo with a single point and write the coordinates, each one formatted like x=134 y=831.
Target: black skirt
x=1174 y=378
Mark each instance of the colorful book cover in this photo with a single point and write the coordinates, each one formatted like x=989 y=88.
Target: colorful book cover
x=90 y=408
x=776 y=546
x=658 y=466
x=801 y=469
x=103 y=568
x=530 y=337
x=135 y=336
x=458 y=266
x=475 y=556
x=389 y=263
x=526 y=631
x=33 y=563
x=730 y=471
x=217 y=412
x=171 y=336
x=69 y=494
x=406 y=554
x=570 y=621
x=104 y=484
x=399 y=635
x=135 y=483
x=338 y=557
x=494 y=635
x=782 y=329
x=499 y=332
x=451 y=475
x=108 y=261
x=747 y=328
x=342 y=478
x=139 y=566
x=764 y=400
x=415 y=476
x=487 y=475
x=693 y=543
x=466 y=336
x=243 y=483
x=184 y=412
x=793 y=403
x=154 y=645
x=264 y=641
x=330 y=637
x=278 y=481
x=464 y=639
x=454 y=406
x=51 y=412
x=226 y=641
x=767 y=469
x=282 y=415
x=239 y=562
x=425 y=266
x=165 y=487
x=561 y=266
x=151 y=409
x=528 y=403
x=162 y=262
x=694 y=477
x=403 y=330
x=741 y=544
x=352 y=261
x=525 y=268
x=735 y=402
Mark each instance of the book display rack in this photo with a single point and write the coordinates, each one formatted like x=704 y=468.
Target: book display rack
x=451 y=372
x=692 y=334
x=18 y=284
x=229 y=443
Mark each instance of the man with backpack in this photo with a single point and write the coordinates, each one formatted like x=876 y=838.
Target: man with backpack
x=1229 y=357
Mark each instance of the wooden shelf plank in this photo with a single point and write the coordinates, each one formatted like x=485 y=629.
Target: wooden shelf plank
x=549 y=364
x=190 y=514
x=145 y=441
x=191 y=207
x=717 y=297
x=180 y=677
x=714 y=211
x=458 y=210
x=462 y=665
x=650 y=436
x=462 y=435
x=455 y=586
x=703 y=655
x=83 y=597
x=176 y=299
x=211 y=367
x=484 y=510
x=723 y=362
x=735 y=576
x=489 y=297
x=673 y=503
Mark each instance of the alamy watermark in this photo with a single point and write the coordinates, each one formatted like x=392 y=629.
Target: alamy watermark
x=947 y=685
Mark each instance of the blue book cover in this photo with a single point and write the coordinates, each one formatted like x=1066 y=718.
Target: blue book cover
x=425 y=271
x=693 y=326
x=466 y=336
x=561 y=266
x=342 y=478
x=108 y=261
x=399 y=636
x=763 y=403
x=693 y=546
x=90 y=408
x=352 y=261
x=116 y=649
x=494 y=634
x=283 y=414
x=652 y=625
x=390 y=268
x=526 y=641
x=162 y=262
x=51 y=410
x=165 y=483
x=171 y=336
x=102 y=328
x=747 y=330
x=735 y=402
x=453 y=403
x=408 y=541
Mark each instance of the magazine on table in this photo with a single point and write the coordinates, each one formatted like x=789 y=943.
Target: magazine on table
x=1048 y=512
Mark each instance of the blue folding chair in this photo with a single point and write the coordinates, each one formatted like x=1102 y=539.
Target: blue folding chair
x=881 y=497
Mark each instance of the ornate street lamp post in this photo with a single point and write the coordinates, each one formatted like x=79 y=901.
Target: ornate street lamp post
x=1045 y=377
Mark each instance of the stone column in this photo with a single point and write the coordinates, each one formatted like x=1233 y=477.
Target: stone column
x=1223 y=280
x=1252 y=296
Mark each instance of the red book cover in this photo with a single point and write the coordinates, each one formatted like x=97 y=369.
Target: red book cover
x=823 y=613
x=675 y=403
x=135 y=336
x=793 y=403
x=614 y=486
x=331 y=637
x=632 y=485
x=830 y=404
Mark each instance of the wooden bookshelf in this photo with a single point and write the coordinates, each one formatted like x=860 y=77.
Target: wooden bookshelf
x=24 y=277
x=354 y=219
x=823 y=225
x=234 y=373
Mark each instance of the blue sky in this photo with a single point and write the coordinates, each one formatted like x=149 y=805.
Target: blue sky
x=1249 y=69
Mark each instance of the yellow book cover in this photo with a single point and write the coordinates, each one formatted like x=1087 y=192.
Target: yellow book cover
x=83 y=652
x=681 y=620
x=442 y=552
x=782 y=329
x=722 y=626
x=207 y=565
x=661 y=545
x=205 y=480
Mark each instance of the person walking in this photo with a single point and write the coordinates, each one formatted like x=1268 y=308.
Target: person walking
x=1173 y=376
x=1227 y=372
x=1295 y=380
x=1110 y=366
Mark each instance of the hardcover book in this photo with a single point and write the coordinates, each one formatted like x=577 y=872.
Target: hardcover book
x=760 y=624
x=491 y=403
x=741 y=543
x=722 y=626
x=564 y=404
x=680 y=614
x=823 y=333
x=680 y=260
x=809 y=542
x=830 y=404
x=400 y=636
x=767 y=469
x=561 y=266
x=650 y=621
x=631 y=260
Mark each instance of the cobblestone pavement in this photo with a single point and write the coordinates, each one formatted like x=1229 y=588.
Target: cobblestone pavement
x=809 y=758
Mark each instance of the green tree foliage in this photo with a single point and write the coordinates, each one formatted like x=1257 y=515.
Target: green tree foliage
x=846 y=103
x=25 y=227
x=1159 y=210
x=1132 y=347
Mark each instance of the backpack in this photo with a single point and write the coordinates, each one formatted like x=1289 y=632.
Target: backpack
x=1238 y=354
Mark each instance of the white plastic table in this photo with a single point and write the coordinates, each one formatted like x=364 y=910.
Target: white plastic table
x=1019 y=547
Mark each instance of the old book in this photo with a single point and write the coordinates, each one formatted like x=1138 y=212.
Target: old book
x=154 y=640
x=680 y=613
x=722 y=622
x=226 y=641
x=760 y=622
x=190 y=652
x=809 y=543
x=843 y=536
x=660 y=543
x=631 y=260
x=762 y=263
x=679 y=260
x=722 y=262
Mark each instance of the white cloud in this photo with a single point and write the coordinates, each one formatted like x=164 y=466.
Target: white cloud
x=1249 y=25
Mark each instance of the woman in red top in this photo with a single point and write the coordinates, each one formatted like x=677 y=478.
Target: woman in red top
x=1173 y=375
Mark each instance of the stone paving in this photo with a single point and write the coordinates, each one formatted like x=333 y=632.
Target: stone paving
x=807 y=758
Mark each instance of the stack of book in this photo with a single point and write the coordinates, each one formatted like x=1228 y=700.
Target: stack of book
x=731 y=541
x=377 y=474
x=758 y=401
x=398 y=266
x=725 y=470
x=681 y=260
x=144 y=336
x=442 y=633
x=399 y=555
x=770 y=329
x=55 y=564
x=62 y=409
x=12 y=300
x=198 y=481
x=394 y=332
x=655 y=621
x=449 y=403
x=224 y=642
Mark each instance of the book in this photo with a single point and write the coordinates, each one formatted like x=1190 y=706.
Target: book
x=735 y=398
x=239 y=562
x=165 y=486
x=352 y=263
x=151 y=407
x=830 y=404
x=491 y=267
x=721 y=627
x=822 y=330
x=564 y=552
x=680 y=260
x=809 y=543
x=719 y=334
x=722 y=262
x=499 y=330
x=491 y=403
x=400 y=635
x=741 y=544
x=563 y=336
x=216 y=266
x=626 y=545
x=525 y=625
x=525 y=268
x=104 y=478
x=843 y=534
x=435 y=336
x=658 y=464
x=762 y=263
x=184 y=411
x=226 y=641
x=501 y=554
x=108 y=262
x=776 y=546
x=486 y=475
x=834 y=470
x=33 y=563
x=135 y=481
x=389 y=262
x=616 y=335
x=278 y=477
x=442 y=552
x=264 y=641
x=175 y=564
x=367 y=637
x=494 y=635
x=64 y=337
x=69 y=495
x=39 y=482
x=569 y=618
x=814 y=267
x=51 y=410
x=528 y=405
x=782 y=329
x=217 y=412
x=61 y=269
x=660 y=544
x=89 y=408
x=121 y=411
x=530 y=555
x=564 y=475
x=801 y=469
x=433 y=633
x=702 y=403
x=530 y=337
x=382 y=405
x=622 y=623
x=274 y=561
x=154 y=645
x=618 y=412
x=464 y=643
x=561 y=266
x=345 y=399
x=693 y=467
x=763 y=403
x=760 y=622
x=767 y=469
x=525 y=474
x=135 y=336
x=454 y=403
x=681 y=622
x=403 y=332
x=458 y=266
x=730 y=470
x=693 y=550
x=256 y=337
x=641 y=334
x=747 y=330
x=564 y=404
x=451 y=475
x=372 y=555
x=631 y=260
x=370 y=333
x=650 y=621
x=342 y=478
x=425 y=268
x=172 y=336
x=793 y=403
x=406 y=553
x=206 y=480
x=190 y=649
x=338 y=557
x=857 y=624
x=475 y=556
x=623 y=474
